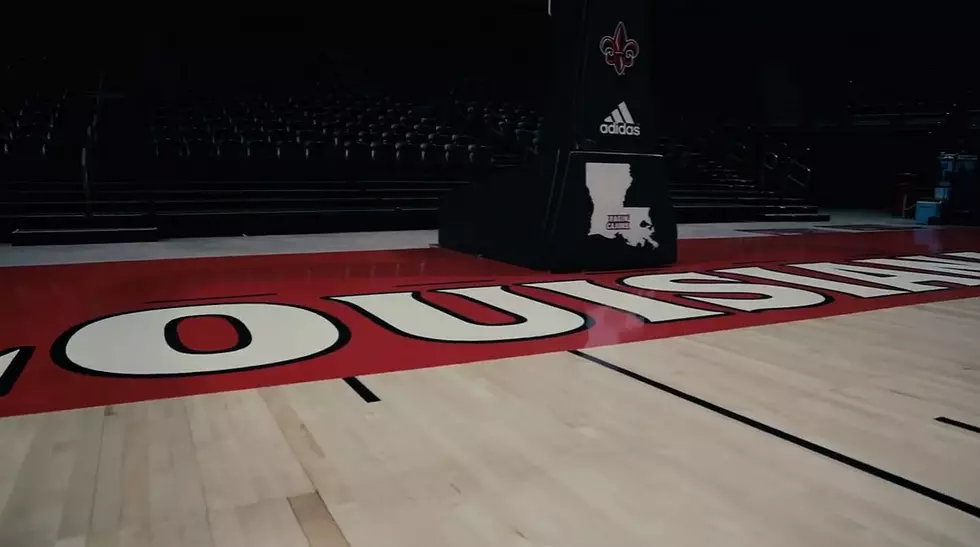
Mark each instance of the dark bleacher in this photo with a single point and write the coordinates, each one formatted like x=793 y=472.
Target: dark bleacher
x=345 y=137
x=725 y=182
x=329 y=162
x=705 y=186
x=231 y=126
x=228 y=125
x=324 y=161
x=42 y=133
x=863 y=155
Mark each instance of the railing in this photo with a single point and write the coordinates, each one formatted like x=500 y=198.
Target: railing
x=800 y=175
x=786 y=175
x=86 y=188
x=768 y=174
x=737 y=157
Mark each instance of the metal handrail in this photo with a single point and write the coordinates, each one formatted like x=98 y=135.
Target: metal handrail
x=86 y=190
x=770 y=161
x=736 y=154
x=807 y=174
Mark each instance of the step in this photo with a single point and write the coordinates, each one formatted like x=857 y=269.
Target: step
x=731 y=180
x=711 y=183
x=23 y=237
x=716 y=187
x=236 y=223
x=368 y=202
x=77 y=221
x=323 y=211
x=26 y=196
x=751 y=208
x=46 y=186
x=139 y=188
x=728 y=213
x=70 y=207
x=794 y=217
x=743 y=200
x=268 y=192
x=785 y=209
x=688 y=196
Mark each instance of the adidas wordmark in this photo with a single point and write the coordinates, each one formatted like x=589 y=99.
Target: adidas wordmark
x=620 y=122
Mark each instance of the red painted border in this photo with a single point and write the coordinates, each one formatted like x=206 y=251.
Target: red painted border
x=41 y=303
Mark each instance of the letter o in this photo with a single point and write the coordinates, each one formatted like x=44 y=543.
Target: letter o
x=141 y=343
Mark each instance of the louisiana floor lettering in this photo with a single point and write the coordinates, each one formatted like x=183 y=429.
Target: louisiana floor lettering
x=108 y=347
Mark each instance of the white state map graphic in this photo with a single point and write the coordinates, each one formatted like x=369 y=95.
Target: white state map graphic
x=607 y=184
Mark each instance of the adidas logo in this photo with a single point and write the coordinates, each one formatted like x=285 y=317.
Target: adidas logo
x=620 y=122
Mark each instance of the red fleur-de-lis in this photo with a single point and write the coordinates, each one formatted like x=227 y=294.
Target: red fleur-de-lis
x=619 y=50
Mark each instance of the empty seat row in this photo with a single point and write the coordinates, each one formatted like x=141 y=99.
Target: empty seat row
x=340 y=136
x=319 y=122
x=36 y=143
x=35 y=158
x=371 y=132
x=511 y=128
x=293 y=115
x=203 y=160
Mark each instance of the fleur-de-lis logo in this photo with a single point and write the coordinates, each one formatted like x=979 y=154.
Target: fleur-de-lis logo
x=619 y=50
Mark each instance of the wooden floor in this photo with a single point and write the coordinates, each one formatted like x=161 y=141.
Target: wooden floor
x=697 y=440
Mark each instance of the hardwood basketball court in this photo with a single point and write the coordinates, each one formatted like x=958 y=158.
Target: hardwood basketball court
x=811 y=389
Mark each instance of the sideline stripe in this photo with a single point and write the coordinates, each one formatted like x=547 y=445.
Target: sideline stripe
x=959 y=424
x=12 y=363
x=897 y=480
x=361 y=389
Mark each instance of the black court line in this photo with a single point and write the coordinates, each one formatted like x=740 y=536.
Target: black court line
x=10 y=376
x=957 y=423
x=176 y=300
x=897 y=480
x=361 y=389
x=445 y=283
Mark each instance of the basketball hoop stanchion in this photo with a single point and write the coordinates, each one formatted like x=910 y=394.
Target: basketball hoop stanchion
x=596 y=198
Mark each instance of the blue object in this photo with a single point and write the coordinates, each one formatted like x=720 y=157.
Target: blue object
x=925 y=211
x=941 y=193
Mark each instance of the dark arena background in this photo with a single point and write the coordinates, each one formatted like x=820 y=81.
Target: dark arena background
x=222 y=125
x=577 y=273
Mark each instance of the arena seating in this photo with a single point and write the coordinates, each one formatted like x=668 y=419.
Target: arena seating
x=330 y=138
x=41 y=136
x=230 y=125
x=705 y=187
x=333 y=161
x=711 y=187
x=860 y=154
x=327 y=161
x=34 y=141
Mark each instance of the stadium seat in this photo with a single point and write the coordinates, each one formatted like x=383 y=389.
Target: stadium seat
x=382 y=157
x=479 y=157
x=407 y=157
x=201 y=156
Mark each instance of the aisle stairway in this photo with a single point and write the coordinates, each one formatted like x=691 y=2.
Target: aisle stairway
x=710 y=192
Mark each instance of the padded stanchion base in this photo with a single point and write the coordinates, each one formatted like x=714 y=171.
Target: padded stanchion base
x=599 y=211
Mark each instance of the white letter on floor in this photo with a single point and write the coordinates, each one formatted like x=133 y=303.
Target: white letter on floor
x=135 y=343
x=815 y=282
x=407 y=314
x=651 y=310
x=906 y=281
x=777 y=297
